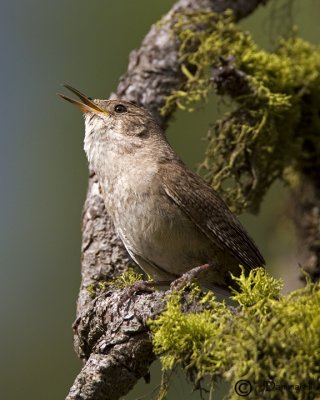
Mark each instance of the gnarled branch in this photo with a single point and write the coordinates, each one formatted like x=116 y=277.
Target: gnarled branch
x=117 y=348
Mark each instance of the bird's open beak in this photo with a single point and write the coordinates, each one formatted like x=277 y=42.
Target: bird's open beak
x=86 y=105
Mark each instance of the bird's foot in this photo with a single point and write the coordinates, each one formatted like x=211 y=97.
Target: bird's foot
x=188 y=277
x=133 y=289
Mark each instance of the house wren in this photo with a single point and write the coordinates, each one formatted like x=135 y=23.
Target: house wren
x=168 y=218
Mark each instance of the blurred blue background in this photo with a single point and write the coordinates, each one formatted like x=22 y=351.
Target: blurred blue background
x=43 y=172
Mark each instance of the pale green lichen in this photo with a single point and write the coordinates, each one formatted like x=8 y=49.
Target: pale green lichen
x=274 y=131
x=267 y=338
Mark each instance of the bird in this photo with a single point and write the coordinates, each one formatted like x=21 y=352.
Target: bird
x=168 y=218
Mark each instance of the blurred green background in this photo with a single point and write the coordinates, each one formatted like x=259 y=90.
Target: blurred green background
x=43 y=172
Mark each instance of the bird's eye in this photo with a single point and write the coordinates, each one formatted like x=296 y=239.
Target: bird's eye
x=120 y=108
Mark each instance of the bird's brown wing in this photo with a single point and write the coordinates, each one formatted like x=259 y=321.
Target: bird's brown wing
x=209 y=213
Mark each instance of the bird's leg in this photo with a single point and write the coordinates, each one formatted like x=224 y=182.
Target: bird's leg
x=188 y=277
x=148 y=286
x=145 y=286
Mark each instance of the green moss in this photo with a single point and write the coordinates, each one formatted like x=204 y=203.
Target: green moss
x=269 y=337
x=127 y=278
x=275 y=125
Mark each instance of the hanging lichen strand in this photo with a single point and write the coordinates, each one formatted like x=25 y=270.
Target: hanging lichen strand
x=273 y=131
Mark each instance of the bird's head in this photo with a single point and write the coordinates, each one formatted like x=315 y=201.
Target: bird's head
x=115 y=126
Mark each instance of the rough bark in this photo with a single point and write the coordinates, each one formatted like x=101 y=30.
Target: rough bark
x=306 y=215
x=115 y=344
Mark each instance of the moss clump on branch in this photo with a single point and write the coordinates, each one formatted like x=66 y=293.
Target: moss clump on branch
x=274 y=131
x=268 y=340
x=121 y=281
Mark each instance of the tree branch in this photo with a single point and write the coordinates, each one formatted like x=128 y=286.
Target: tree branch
x=306 y=216
x=117 y=348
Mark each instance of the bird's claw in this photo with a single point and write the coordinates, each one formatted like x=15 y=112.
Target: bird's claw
x=133 y=289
